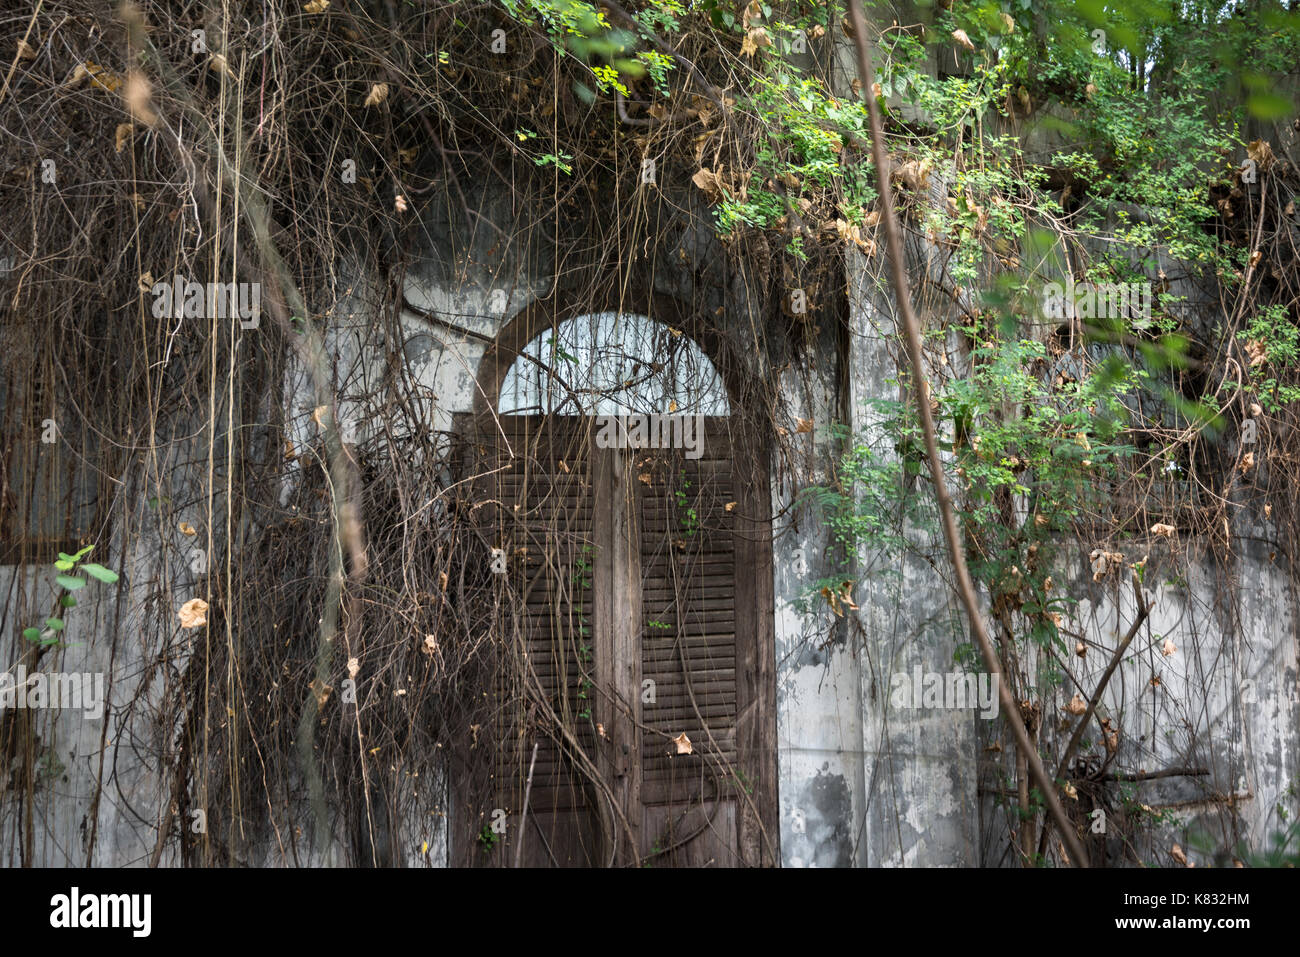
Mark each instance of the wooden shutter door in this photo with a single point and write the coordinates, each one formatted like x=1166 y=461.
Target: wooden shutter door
x=704 y=647
x=645 y=582
x=540 y=503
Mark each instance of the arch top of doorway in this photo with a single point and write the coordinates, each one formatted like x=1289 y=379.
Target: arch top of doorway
x=542 y=314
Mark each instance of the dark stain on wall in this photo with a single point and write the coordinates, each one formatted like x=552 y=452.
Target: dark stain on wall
x=817 y=830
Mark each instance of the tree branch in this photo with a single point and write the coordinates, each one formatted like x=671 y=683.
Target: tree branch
x=965 y=587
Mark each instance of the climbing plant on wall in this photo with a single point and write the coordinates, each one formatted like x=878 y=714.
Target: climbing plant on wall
x=352 y=616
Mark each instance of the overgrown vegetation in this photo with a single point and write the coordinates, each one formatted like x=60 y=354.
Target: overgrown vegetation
x=1068 y=427
x=299 y=146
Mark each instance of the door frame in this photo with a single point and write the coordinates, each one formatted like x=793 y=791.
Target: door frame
x=757 y=821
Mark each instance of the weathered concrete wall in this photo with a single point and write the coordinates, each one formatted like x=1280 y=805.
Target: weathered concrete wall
x=819 y=714
x=862 y=782
x=112 y=634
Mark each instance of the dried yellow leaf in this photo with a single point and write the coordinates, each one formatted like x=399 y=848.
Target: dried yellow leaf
x=192 y=613
x=755 y=40
x=1257 y=353
x=79 y=74
x=106 y=80
x=710 y=183
x=96 y=74
x=1261 y=152
x=378 y=93
x=833 y=600
x=217 y=64
x=321 y=691
x=683 y=744
x=1102 y=562
x=913 y=174
x=187 y=529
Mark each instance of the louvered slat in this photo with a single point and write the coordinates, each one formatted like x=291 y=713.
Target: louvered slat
x=543 y=516
x=688 y=638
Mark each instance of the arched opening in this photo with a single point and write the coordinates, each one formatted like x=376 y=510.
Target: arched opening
x=627 y=517
x=612 y=363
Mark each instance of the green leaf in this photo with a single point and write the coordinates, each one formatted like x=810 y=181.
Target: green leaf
x=55 y=624
x=67 y=601
x=32 y=634
x=630 y=68
x=100 y=573
x=71 y=582
x=65 y=565
x=83 y=553
x=1268 y=106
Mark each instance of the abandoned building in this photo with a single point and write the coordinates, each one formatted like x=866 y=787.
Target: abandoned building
x=507 y=536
